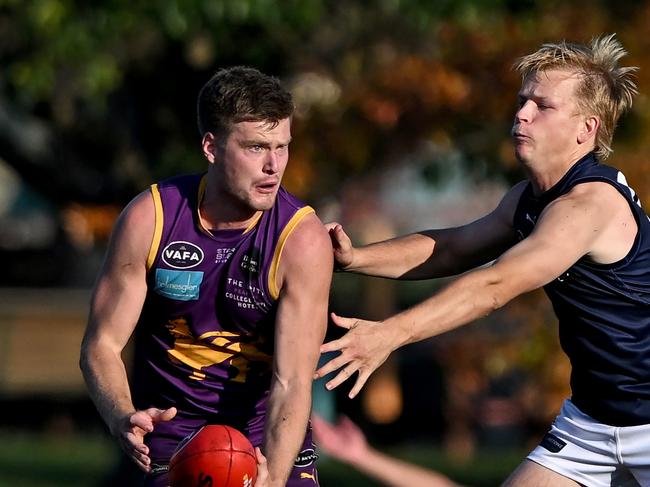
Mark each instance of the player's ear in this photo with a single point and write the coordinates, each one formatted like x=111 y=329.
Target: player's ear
x=588 y=129
x=210 y=147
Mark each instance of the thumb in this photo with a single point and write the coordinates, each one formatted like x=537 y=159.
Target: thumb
x=160 y=415
x=331 y=226
x=259 y=455
x=347 y=323
x=340 y=237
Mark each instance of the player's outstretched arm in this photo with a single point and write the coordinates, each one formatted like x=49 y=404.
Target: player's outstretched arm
x=431 y=253
x=576 y=225
x=114 y=310
x=304 y=282
x=346 y=442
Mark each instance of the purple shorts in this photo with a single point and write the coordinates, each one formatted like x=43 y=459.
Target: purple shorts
x=163 y=440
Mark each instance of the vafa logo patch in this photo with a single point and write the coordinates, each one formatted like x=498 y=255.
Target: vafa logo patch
x=182 y=255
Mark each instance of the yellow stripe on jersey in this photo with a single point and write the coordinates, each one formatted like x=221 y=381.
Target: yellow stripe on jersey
x=202 y=185
x=275 y=263
x=254 y=222
x=158 y=228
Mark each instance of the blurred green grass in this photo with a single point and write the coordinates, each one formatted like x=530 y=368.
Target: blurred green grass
x=48 y=460
x=85 y=460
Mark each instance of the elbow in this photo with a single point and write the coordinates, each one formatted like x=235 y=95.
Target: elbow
x=83 y=358
x=291 y=385
x=499 y=295
x=496 y=301
x=86 y=354
x=496 y=296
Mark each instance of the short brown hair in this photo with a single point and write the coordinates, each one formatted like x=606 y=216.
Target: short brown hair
x=241 y=94
x=606 y=89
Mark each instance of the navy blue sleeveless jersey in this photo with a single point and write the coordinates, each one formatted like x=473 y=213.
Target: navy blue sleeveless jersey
x=603 y=310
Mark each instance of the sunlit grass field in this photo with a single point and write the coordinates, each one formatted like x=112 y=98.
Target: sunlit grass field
x=78 y=460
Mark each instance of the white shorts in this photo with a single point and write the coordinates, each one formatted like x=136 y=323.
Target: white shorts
x=595 y=454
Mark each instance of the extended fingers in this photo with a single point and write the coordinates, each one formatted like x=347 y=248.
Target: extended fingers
x=358 y=385
x=142 y=420
x=342 y=376
x=137 y=450
x=332 y=365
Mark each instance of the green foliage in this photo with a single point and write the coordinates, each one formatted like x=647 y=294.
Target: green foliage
x=400 y=74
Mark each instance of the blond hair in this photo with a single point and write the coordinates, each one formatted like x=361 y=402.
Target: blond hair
x=606 y=89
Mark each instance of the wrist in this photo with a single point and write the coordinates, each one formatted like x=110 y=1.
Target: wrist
x=397 y=333
x=352 y=265
x=119 y=422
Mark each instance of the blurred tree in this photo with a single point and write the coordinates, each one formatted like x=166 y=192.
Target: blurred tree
x=97 y=100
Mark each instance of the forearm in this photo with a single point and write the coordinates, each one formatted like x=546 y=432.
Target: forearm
x=107 y=383
x=396 y=258
x=286 y=424
x=470 y=297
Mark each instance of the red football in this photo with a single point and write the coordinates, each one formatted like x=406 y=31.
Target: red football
x=215 y=456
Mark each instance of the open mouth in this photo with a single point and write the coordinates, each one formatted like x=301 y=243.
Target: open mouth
x=266 y=187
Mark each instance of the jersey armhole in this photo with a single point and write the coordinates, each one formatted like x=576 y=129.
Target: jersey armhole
x=275 y=263
x=157 y=232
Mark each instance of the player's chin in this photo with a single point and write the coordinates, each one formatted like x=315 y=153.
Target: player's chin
x=264 y=201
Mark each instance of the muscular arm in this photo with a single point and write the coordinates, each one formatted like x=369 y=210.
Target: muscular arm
x=587 y=222
x=306 y=267
x=115 y=307
x=445 y=252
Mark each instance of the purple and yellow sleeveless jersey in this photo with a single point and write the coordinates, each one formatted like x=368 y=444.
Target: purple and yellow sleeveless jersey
x=204 y=341
x=603 y=309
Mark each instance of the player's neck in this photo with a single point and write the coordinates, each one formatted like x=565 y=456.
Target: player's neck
x=546 y=175
x=220 y=211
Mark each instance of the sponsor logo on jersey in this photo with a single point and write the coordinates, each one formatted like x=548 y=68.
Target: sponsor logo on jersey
x=178 y=285
x=310 y=476
x=552 y=443
x=156 y=469
x=563 y=277
x=182 y=255
x=251 y=262
x=306 y=458
x=223 y=255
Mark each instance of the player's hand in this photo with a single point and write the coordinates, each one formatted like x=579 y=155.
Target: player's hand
x=363 y=349
x=262 y=469
x=132 y=429
x=344 y=440
x=342 y=245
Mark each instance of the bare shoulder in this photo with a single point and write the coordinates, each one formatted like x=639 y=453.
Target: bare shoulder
x=596 y=195
x=600 y=214
x=307 y=258
x=134 y=229
x=140 y=210
x=308 y=240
